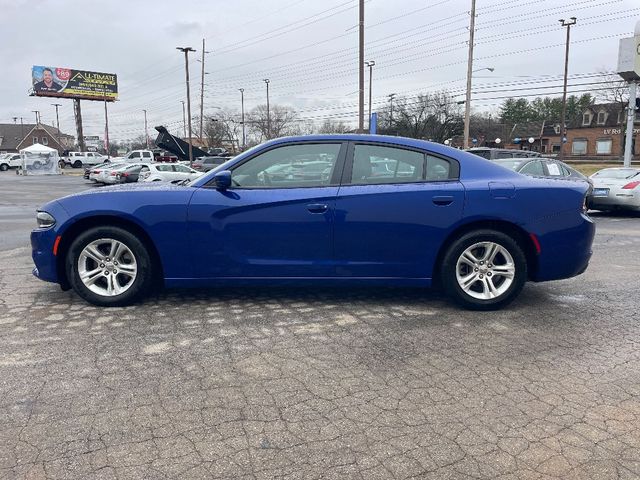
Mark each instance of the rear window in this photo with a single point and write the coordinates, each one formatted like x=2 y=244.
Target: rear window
x=620 y=174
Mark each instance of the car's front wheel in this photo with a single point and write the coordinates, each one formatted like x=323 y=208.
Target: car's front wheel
x=109 y=266
x=484 y=270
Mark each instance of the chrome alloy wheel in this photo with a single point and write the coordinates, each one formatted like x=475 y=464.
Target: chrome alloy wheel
x=485 y=270
x=107 y=267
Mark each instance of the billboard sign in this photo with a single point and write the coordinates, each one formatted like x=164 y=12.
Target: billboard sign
x=70 y=83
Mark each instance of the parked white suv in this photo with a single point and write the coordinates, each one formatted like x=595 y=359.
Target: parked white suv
x=9 y=160
x=80 y=159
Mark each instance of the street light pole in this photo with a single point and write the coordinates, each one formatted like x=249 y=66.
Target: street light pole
x=266 y=80
x=57 y=122
x=572 y=21
x=244 y=132
x=467 y=105
x=146 y=131
x=370 y=64
x=186 y=51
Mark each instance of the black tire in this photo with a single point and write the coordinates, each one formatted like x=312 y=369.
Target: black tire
x=62 y=165
x=77 y=164
x=139 y=286
x=450 y=264
x=4 y=167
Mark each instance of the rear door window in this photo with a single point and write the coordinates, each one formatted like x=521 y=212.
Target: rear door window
x=533 y=168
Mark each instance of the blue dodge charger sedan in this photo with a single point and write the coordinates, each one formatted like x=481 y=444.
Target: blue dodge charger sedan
x=328 y=209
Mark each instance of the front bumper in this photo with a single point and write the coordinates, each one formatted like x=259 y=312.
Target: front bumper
x=43 y=242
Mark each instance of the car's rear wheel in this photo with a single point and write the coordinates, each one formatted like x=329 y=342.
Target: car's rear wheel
x=4 y=167
x=109 y=266
x=484 y=270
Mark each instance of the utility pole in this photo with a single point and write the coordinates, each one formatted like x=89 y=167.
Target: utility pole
x=57 y=122
x=106 y=124
x=266 y=80
x=467 y=103
x=361 y=70
x=631 y=117
x=370 y=64
x=186 y=51
x=391 y=97
x=21 y=127
x=146 y=131
x=563 y=120
x=202 y=91
x=184 y=120
x=244 y=132
x=15 y=120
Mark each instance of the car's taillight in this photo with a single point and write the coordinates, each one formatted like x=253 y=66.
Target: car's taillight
x=631 y=186
x=125 y=174
x=114 y=174
x=96 y=171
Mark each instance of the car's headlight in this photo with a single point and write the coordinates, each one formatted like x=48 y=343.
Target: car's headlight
x=45 y=220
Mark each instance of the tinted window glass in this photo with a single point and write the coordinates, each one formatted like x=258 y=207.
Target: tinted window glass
x=533 y=168
x=146 y=154
x=374 y=164
x=482 y=153
x=293 y=166
x=504 y=155
x=182 y=169
x=437 y=169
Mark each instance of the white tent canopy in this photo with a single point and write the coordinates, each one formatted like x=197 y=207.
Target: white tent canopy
x=39 y=159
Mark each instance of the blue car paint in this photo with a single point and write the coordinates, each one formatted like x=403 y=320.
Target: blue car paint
x=384 y=233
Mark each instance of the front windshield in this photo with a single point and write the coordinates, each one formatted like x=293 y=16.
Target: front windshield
x=510 y=164
x=617 y=173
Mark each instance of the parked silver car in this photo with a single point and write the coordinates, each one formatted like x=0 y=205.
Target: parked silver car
x=615 y=189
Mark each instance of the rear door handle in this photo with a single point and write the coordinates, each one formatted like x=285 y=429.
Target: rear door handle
x=317 y=207
x=442 y=200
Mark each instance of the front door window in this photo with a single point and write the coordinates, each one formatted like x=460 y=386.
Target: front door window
x=292 y=166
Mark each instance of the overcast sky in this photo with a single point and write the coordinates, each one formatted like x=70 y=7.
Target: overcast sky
x=307 y=49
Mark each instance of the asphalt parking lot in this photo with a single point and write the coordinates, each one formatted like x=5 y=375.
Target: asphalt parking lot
x=308 y=383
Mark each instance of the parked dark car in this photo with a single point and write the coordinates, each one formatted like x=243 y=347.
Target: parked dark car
x=204 y=164
x=130 y=174
x=499 y=153
x=543 y=167
x=443 y=215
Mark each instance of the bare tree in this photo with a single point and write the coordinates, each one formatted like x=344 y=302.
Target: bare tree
x=283 y=121
x=432 y=116
x=223 y=129
x=332 y=126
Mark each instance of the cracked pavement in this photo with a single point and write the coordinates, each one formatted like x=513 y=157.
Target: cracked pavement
x=318 y=383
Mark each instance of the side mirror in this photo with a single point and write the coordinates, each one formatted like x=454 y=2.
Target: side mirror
x=222 y=180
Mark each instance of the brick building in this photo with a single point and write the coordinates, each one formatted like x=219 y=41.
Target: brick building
x=14 y=137
x=597 y=134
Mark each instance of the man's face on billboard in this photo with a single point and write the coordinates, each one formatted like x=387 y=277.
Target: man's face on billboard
x=47 y=76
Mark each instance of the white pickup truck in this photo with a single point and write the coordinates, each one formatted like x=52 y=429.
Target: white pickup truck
x=80 y=159
x=140 y=156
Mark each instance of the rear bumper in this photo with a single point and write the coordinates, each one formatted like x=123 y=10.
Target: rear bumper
x=565 y=253
x=628 y=200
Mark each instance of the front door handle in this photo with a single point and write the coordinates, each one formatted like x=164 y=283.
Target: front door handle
x=442 y=200
x=317 y=207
